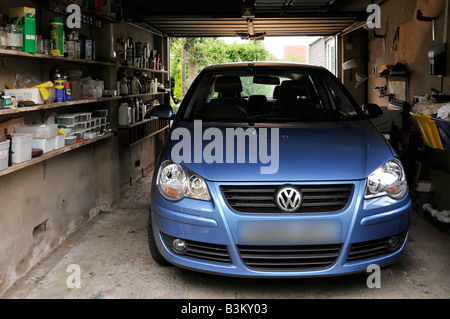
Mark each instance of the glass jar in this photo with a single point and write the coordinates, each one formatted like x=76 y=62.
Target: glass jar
x=14 y=37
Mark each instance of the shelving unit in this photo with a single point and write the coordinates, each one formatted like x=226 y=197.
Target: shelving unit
x=46 y=156
x=135 y=133
x=41 y=107
x=4 y=53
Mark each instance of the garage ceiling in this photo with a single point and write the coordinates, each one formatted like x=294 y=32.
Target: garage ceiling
x=219 y=18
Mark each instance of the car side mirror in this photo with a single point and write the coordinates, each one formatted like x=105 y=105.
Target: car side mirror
x=372 y=110
x=163 y=111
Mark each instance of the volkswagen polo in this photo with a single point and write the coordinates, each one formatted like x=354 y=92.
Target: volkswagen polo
x=273 y=170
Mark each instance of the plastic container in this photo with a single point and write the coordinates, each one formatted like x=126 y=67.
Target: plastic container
x=21 y=147
x=59 y=141
x=81 y=126
x=66 y=119
x=39 y=131
x=443 y=128
x=4 y=153
x=74 y=77
x=83 y=117
x=90 y=135
x=79 y=134
x=428 y=129
x=45 y=144
x=14 y=37
x=68 y=128
x=57 y=36
x=71 y=139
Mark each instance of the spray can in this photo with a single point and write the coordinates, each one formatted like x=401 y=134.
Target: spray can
x=58 y=82
x=67 y=91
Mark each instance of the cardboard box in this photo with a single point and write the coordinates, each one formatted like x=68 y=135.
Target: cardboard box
x=27 y=17
x=26 y=94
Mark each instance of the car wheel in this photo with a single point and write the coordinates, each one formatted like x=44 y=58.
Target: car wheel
x=154 y=251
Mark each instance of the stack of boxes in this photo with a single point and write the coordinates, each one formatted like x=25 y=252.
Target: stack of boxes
x=82 y=125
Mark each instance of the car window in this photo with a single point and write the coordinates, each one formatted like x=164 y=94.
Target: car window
x=268 y=95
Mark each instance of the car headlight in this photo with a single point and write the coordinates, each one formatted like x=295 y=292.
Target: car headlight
x=175 y=182
x=389 y=179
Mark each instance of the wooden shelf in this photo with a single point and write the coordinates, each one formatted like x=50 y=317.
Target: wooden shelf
x=57 y=105
x=142 y=94
x=46 y=156
x=138 y=123
x=40 y=56
x=143 y=69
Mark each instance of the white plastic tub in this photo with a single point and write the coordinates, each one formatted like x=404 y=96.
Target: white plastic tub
x=4 y=153
x=21 y=147
x=45 y=144
x=59 y=141
x=38 y=131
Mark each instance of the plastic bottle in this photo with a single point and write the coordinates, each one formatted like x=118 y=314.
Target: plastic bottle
x=124 y=114
x=57 y=36
x=58 y=82
x=134 y=86
x=123 y=86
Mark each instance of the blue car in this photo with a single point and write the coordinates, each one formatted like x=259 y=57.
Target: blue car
x=273 y=170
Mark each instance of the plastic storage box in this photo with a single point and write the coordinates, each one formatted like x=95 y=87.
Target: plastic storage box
x=443 y=128
x=66 y=119
x=68 y=128
x=100 y=113
x=26 y=94
x=21 y=147
x=4 y=154
x=59 y=141
x=428 y=129
x=45 y=144
x=39 y=131
x=83 y=125
x=71 y=139
x=83 y=117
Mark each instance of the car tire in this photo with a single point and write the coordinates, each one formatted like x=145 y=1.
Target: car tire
x=154 y=251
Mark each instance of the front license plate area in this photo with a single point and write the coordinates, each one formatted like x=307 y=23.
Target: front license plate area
x=289 y=232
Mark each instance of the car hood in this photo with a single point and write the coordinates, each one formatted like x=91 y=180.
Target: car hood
x=321 y=151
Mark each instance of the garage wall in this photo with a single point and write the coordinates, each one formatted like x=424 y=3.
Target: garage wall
x=415 y=39
x=414 y=42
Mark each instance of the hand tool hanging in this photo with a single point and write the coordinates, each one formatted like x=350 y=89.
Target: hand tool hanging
x=421 y=17
x=379 y=36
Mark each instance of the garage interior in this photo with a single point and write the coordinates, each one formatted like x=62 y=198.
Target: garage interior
x=50 y=203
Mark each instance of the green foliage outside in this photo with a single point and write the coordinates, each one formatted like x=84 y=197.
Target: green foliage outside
x=201 y=52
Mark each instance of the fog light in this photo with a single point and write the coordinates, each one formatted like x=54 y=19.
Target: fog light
x=179 y=245
x=392 y=243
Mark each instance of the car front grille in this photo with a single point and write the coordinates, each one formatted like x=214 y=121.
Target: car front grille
x=261 y=199
x=289 y=258
x=372 y=249
x=201 y=251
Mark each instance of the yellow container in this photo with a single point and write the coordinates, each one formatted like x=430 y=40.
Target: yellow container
x=428 y=130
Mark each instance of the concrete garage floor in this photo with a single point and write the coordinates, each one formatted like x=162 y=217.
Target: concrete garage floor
x=114 y=260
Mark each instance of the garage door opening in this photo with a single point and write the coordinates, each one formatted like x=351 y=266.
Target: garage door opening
x=190 y=55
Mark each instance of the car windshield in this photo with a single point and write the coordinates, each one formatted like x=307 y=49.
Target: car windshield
x=268 y=95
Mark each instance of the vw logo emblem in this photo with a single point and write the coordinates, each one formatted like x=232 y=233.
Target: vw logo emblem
x=288 y=199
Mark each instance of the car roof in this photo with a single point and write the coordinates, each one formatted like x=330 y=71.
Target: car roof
x=275 y=65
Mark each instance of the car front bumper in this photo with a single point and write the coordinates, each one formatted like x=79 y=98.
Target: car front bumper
x=217 y=236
